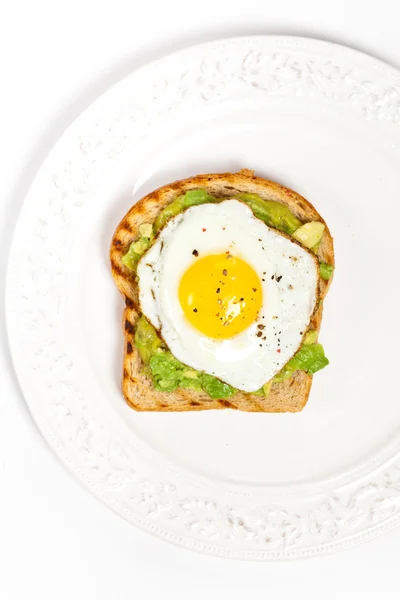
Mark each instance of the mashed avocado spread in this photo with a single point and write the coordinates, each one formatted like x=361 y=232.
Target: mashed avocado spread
x=274 y=214
x=168 y=373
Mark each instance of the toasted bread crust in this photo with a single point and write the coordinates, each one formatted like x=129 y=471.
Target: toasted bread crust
x=288 y=396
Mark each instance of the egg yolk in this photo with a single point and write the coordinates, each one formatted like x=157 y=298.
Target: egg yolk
x=220 y=295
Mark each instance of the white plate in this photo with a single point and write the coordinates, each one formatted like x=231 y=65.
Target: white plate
x=317 y=117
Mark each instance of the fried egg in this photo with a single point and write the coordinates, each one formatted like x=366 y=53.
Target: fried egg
x=231 y=296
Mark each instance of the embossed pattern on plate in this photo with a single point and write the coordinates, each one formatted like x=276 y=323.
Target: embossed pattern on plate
x=65 y=399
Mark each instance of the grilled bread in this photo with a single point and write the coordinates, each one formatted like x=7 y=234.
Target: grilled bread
x=290 y=395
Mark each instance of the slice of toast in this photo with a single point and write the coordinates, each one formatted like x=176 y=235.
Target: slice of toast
x=290 y=395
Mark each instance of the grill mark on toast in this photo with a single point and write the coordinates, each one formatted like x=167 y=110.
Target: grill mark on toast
x=117 y=270
x=128 y=326
x=226 y=404
x=129 y=303
x=129 y=348
x=126 y=226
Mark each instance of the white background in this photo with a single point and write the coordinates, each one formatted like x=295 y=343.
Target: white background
x=56 y=540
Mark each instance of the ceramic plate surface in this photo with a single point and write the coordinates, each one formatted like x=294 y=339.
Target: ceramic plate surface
x=319 y=118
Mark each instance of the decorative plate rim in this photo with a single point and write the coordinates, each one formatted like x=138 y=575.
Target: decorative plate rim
x=107 y=464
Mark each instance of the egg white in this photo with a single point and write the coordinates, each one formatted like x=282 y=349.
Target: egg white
x=288 y=275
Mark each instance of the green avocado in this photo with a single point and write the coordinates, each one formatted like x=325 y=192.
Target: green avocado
x=195 y=197
x=274 y=214
x=171 y=210
x=168 y=373
x=131 y=258
x=326 y=271
x=310 y=358
x=146 y=340
x=216 y=388
x=190 y=198
x=310 y=337
x=265 y=389
x=138 y=248
x=310 y=234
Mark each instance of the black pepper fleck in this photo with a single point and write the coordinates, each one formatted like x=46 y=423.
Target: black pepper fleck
x=195 y=252
x=224 y=272
x=195 y=310
x=279 y=278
